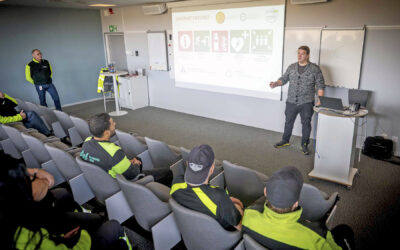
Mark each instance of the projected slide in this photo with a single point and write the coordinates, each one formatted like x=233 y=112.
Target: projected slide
x=234 y=51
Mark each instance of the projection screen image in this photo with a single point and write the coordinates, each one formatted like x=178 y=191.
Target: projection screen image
x=234 y=51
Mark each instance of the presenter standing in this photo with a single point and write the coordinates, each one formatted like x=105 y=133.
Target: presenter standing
x=305 y=80
x=39 y=73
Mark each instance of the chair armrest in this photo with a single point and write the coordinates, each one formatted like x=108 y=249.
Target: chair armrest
x=51 y=139
x=145 y=180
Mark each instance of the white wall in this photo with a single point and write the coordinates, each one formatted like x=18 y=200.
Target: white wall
x=268 y=114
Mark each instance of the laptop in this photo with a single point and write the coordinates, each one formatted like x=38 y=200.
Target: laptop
x=331 y=103
x=358 y=96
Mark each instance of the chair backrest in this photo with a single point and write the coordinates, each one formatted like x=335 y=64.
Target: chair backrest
x=147 y=208
x=102 y=184
x=48 y=114
x=243 y=183
x=200 y=231
x=185 y=154
x=161 y=155
x=16 y=138
x=65 y=163
x=82 y=126
x=64 y=120
x=251 y=244
x=30 y=106
x=3 y=134
x=129 y=144
x=37 y=148
x=21 y=104
x=315 y=205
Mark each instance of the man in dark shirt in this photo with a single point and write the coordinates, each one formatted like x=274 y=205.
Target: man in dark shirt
x=193 y=191
x=30 y=119
x=39 y=73
x=110 y=157
x=304 y=77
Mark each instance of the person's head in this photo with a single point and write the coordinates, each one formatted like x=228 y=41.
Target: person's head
x=200 y=165
x=303 y=54
x=37 y=55
x=102 y=126
x=283 y=190
x=16 y=200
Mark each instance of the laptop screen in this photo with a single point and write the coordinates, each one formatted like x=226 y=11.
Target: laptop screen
x=331 y=103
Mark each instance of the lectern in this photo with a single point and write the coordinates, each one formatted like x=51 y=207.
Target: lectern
x=335 y=146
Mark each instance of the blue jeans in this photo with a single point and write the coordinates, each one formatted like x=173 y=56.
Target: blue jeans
x=33 y=120
x=42 y=88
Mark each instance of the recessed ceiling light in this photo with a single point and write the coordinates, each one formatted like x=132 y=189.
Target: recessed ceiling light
x=99 y=5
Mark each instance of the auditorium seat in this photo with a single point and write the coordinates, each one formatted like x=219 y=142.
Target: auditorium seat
x=202 y=232
x=149 y=204
x=244 y=183
x=82 y=127
x=129 y=144
x=161 y=154
x=68 y=167
x=106 y=190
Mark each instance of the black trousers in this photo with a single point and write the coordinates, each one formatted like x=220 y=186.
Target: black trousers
x=292 y=110
x=161 y=175
x=60 y=214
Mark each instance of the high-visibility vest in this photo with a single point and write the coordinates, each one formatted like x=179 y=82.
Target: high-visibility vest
x=100 y=81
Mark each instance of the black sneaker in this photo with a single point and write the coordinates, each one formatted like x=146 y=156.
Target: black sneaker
x=304 y=147
x=281 y=144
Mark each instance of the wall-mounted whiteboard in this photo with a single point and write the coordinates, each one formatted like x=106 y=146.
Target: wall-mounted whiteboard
x=157 y=46
x=296 y=37
x=341 y=57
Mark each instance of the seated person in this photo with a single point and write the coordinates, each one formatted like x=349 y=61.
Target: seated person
x=25 y=225
x=100 y=151
x=279 y=226
x=193 y=191
x=9 y=114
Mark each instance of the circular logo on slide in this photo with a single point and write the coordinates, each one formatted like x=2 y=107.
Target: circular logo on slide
x=220 y=17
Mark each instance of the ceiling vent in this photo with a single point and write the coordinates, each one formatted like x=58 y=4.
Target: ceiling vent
x=307 y=1
x=154 y=9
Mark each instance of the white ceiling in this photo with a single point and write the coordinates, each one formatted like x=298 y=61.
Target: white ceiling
x=79 y=3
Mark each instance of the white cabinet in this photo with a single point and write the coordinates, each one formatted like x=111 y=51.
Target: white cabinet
x=134 y=92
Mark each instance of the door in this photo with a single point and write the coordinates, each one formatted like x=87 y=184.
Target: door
x=115 y=44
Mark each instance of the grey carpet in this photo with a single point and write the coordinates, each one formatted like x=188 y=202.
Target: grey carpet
x=370 y=207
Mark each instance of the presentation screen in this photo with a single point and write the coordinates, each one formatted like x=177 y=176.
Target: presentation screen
x=234 y=50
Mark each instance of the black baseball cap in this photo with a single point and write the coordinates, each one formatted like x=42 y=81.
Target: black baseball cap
x=200 y=160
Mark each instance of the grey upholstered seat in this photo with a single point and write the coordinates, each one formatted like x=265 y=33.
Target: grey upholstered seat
x=129 y=144
x=243 y=183
x=200 y=231
x=68 y=167
x=178 y=168
x=82 y=127
x=21 y=104
x=185 y=155
x=21 y=147
x=161 y=155
x=69 y=128
x=316 y=204
x=149 y=203
x=7 y=145
x=106 y=190
x=40 y=153
x=251 y=244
